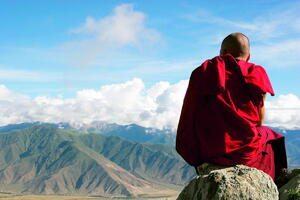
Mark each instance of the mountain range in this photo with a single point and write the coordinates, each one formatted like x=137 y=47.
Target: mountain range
x=42 y=159
x=98 y=159
x=132 y=132
x=136 y=133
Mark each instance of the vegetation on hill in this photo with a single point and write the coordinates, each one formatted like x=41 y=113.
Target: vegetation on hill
x=47 y=160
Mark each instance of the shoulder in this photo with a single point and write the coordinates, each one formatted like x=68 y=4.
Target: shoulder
x=199 y=69
x=209 y=77
x=252 y=70
x=256 y=68
x=208 y=64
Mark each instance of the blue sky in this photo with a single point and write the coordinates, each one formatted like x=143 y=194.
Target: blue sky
x=55 y=49
x=32 y=33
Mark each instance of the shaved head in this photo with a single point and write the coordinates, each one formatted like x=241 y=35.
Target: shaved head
x=237 y=44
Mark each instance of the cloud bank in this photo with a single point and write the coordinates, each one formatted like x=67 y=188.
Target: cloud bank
x=284 y=111
x=131 y=102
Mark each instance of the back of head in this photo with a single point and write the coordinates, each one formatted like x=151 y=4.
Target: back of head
x=237 y=44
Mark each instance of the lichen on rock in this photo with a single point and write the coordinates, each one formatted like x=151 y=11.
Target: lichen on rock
x=230 y=183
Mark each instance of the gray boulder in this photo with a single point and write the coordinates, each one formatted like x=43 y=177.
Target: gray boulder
x=230 y=183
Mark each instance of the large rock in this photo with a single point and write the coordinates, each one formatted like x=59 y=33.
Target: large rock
x=230 y=183
x=291 y=190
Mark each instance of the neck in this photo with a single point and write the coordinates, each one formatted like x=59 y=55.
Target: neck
x=241 y=58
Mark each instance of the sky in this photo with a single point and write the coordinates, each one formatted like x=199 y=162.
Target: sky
x=126 y=62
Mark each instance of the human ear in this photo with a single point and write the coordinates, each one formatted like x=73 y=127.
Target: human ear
x=222 y=52
x=248 y=58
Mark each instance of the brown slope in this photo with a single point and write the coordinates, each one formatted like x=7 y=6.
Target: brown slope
x=46 y=161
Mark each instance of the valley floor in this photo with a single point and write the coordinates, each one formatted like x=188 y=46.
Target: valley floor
x=62 y=197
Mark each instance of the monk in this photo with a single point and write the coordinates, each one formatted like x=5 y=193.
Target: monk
x=223 y=112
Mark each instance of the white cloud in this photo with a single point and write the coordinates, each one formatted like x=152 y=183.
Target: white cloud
x=284 y=111
x=125 y=103
x=280 y=54
x=271 y=24
x=14 y=107
x=125 y=28
x=204 y=16
x=274 y=35
x=158 y=106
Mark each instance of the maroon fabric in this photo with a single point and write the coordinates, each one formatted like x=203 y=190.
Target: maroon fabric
x=271 y=157
x=220 y=115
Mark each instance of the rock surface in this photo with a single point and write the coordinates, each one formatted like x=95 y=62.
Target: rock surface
x=292 y=185
x=230 y=183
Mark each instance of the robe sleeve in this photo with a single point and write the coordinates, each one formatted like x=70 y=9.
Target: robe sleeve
x=186 y=141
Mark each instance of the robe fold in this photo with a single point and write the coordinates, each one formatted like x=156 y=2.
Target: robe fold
x=220 y=115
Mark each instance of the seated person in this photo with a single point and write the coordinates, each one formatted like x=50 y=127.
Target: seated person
x=223 y=112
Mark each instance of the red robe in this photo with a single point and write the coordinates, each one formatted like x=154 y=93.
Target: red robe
x=220 y=115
